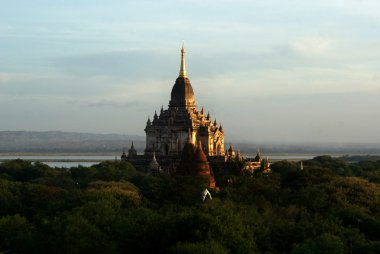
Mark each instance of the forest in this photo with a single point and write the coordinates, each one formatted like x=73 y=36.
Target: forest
x=331 y=206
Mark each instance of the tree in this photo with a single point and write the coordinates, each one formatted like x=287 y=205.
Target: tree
x=323 y=244
x=210 y=247
x=15 y=234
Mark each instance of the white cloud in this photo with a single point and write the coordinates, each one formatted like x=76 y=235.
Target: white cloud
x=5 y=77
x=263 y=64
x=366 y=8
x=311 y=46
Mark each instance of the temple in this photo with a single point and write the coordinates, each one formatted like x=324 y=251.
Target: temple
x=183 y=139
x=167 y=133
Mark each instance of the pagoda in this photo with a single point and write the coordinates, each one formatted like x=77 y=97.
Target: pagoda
x=167 y=133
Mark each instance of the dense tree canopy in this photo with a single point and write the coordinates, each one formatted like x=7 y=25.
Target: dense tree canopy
x=329 y=207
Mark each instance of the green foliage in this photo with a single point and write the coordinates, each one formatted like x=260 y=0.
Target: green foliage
x=15 y=234
x=123 y=191
x=20 y=170
x=79 y=235
x=323 y=244
x=368 y=169
x=109 y=170
x=9 y=203
x=329 y=207
x=199 y=247
x=106 y=171
x=162 y=189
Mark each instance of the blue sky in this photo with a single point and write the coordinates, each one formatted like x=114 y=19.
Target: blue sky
x=268 y=70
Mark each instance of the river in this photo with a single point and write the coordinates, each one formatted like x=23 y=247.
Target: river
x=67 y=161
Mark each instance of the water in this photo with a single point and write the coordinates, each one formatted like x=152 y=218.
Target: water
x=58 y=164
x=58 y=157
x=292 y=157
x=65 y=161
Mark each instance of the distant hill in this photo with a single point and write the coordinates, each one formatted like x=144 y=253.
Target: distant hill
x=311 y=148
x=65 y=142
x=73 y=142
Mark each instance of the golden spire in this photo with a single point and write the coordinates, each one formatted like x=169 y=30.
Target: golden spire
x=182 y=71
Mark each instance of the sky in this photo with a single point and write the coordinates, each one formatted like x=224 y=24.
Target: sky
x=269 y=71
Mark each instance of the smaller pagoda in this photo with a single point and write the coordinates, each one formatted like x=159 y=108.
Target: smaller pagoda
x=194 y=162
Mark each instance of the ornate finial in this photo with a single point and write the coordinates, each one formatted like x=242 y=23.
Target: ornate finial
x=162 y=109
x=148 y=122
x=267 y=159
x=202 y=111
x=215 y=122
x=132 y=146
x=208 y=115
x=182 y=71
x=231 y=151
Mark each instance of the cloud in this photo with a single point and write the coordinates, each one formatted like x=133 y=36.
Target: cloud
x=310 y=46
x=140 y=64
x=102 y=103
x=130 y=64
x=305 y=65
x=358 y=8
x=5 y=77
x=263 y=64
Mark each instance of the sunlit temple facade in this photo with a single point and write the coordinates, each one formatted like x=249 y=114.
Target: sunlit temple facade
x=183 y=139
x=167 y=133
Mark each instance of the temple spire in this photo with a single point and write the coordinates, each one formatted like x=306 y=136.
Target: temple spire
x=182 y=71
